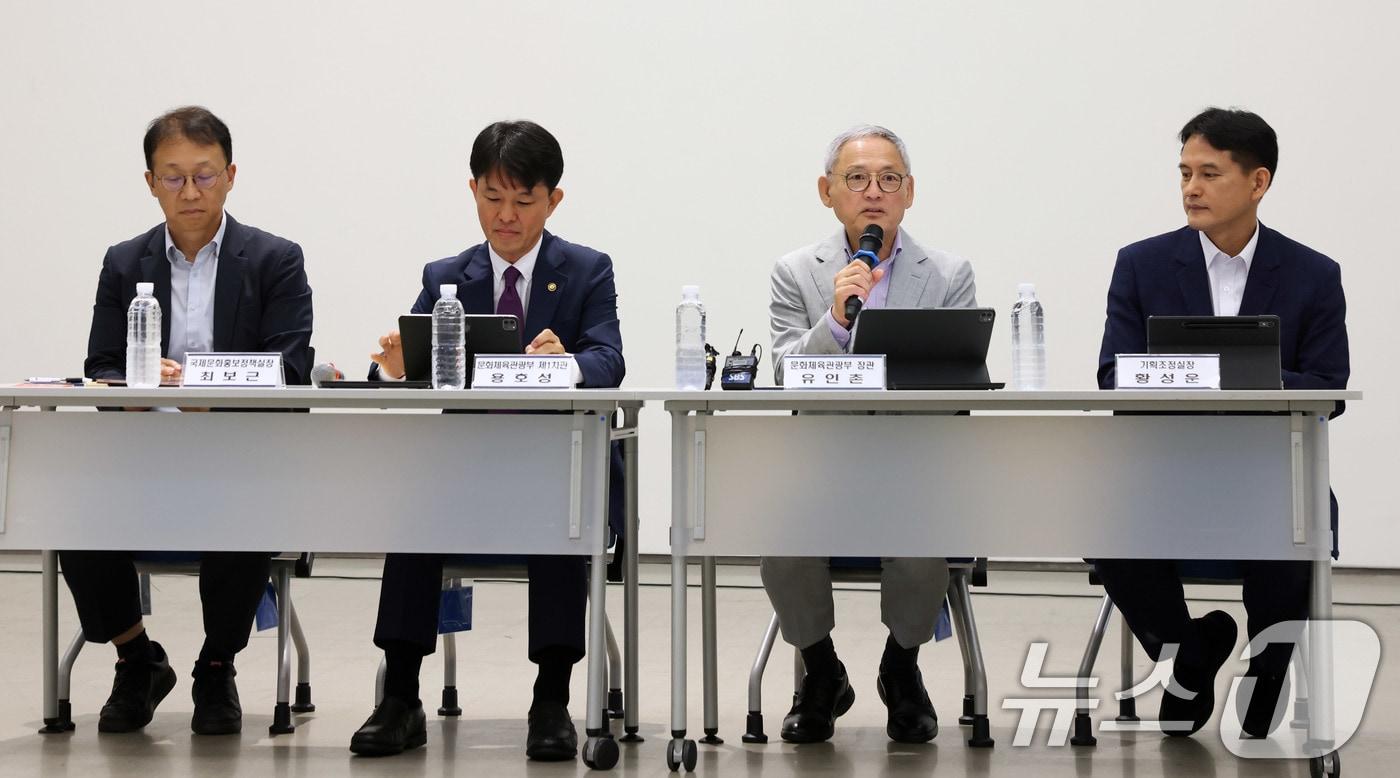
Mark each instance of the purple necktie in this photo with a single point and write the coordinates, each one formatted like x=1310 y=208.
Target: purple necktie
x=510 y=304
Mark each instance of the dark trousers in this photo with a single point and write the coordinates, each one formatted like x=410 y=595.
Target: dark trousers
x=107 y=595
x=1149 y=594
x=411 y=592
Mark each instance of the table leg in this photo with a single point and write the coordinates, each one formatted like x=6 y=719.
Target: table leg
x=49 y=595
x=630 y=591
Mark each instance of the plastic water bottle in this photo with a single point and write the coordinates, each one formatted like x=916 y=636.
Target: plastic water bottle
x=449 y=341
x=690 y=340
x=1027 y=340
x=143 y=339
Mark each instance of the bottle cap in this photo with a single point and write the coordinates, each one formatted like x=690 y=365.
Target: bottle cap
x=146 y=287
x=1026 y=290
x=448 y=291
x=690 y=292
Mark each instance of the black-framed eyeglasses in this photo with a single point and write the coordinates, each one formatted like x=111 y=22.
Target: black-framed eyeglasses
x=202 y=181
x=889 y=181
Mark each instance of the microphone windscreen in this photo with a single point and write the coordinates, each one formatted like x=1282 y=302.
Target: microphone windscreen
x=325 y=371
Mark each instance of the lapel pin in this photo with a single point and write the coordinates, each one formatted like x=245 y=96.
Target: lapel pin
x=553 y=287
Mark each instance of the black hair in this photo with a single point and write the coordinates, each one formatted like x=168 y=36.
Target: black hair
x=192 y=122
x=1250 y=140
x=521 y=152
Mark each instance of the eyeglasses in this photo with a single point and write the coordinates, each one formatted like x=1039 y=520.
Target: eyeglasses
x=889 y=182
x=202 y=181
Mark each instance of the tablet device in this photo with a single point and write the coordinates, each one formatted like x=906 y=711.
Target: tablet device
x=929 y=348
x=1248 y=346
x=485 y=334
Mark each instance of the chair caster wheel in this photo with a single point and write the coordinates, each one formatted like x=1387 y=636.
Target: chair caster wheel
x=681 y=752
x=600 y=753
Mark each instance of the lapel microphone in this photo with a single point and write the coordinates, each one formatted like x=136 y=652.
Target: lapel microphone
x=870 y=242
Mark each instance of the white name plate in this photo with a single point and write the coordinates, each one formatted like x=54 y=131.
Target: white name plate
x=1168 y=371
x=839 y=371
x=233 y=369
x=513 y=371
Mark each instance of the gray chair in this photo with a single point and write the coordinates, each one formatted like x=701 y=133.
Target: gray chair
x=284 y=567
x=962 y=575
x=453 y=574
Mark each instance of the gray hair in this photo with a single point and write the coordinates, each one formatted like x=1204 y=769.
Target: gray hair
x=865 y=131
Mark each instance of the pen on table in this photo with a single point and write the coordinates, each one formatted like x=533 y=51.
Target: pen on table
x=79 y=381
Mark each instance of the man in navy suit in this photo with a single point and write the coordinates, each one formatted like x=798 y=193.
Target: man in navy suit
x=1224 y=263
x=222 y=286
x=564 y=295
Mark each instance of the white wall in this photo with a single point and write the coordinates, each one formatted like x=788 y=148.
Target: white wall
x=1042 y=137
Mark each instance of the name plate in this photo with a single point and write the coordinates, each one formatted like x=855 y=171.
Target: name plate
x=1168 y=371
x=840 y=371
x=513 y=371
x=262 y=370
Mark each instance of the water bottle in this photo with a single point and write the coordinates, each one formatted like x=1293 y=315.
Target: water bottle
x=690 y=340
x=143 y=339
x=449 y=340
x=1027 y=340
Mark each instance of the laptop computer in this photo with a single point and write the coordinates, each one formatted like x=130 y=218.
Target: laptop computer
x=1248 y=346
x=485 y=334
x=929 y=348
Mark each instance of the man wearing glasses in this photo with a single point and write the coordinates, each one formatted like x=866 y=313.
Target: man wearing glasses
x=222 y=286
x=867 y=182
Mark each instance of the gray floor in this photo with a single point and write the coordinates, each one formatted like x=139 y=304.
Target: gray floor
x=338 y=607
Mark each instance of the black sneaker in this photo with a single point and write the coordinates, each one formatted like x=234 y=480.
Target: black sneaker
x=216 y=707
x=137 y=690
x=816 y=707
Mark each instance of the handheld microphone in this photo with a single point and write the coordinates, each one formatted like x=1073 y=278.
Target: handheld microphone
x=325 y=371
x=870 y=242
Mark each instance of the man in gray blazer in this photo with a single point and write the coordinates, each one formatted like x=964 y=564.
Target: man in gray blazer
x=867 y=181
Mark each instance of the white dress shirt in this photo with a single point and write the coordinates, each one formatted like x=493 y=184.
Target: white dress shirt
x=192 y=296
x=526 y=266
x=1228 y=274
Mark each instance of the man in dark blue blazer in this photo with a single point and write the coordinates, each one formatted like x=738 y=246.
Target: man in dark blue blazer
x=1224 y=262
x=222 y=286
x=564 y=294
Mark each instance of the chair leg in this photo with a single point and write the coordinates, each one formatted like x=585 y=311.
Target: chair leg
x=450 y=705
x=753 y=727
x=282 y=713
x=981 y=736
x=969 y=702
x=1127 y=707
x=615 y=710
x=1300 y=686
x=64 y=721
x=1083 y=724
x=379 y=681
x=302 y=703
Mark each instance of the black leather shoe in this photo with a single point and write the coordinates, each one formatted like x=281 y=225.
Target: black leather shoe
x=911 y=715
x=216 y=707
x=552 y=737
x=1197 y=663
x=816 y=706
x=137 y=690
x=395 y=726
x=1264 y=712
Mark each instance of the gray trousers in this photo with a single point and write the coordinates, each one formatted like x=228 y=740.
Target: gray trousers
x=911 y=593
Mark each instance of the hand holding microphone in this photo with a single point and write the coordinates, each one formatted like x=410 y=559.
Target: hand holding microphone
x=855 y=281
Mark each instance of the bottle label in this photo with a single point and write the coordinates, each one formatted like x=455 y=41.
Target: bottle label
x=1168 y=371
x=513 y=371
x=838 y=371
x=250 y=369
